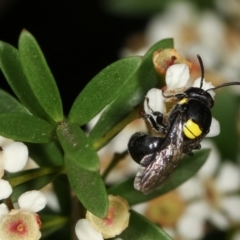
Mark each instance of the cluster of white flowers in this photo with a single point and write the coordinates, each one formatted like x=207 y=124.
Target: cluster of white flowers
x=22 y=223
x=13 y=158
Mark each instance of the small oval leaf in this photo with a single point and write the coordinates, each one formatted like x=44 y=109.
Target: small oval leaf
x=26 y=128
x=13 y=72
x=39 y=76
x=186 y=169
x=77 y=146
x=102 y=89
x=89 y=188
x=10 y=104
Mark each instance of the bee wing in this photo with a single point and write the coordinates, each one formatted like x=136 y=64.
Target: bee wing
x=151 y=176
x=154 y=175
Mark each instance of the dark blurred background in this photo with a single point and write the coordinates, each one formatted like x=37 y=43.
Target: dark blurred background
x=77 y=37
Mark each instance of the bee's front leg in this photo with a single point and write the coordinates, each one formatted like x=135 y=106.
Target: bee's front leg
x=157 y=124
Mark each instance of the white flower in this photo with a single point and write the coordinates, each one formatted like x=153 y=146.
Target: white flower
x=33 y=201
x=13 y=156
x=116 y=220
x=113 y=224
x=211 y=195
x=22 y=223
x=156 y=99
x=177 y=76
x=216 y=199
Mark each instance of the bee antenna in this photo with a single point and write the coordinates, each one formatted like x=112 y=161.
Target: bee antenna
x=202 y=69
x=223 y=85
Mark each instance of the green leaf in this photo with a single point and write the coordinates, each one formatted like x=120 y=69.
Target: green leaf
x=13 y=72
x=77 y=146
x=52 y=223
x=26 y=128
x=10 y=104
x=140 y=228
x=143 y=79
x=102 y=89
x=32 y=179
x=39 y=76
x=186 y=169
x=89 y=188
x=225 y=110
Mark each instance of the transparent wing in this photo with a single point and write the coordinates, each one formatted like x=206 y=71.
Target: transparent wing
x=152 y=175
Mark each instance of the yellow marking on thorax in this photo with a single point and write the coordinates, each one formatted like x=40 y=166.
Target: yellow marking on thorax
x=184 y=100
x=191 y=129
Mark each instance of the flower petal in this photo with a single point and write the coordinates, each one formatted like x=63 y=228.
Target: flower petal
x=5 y=189
x=14 y=156
x=205 y=86
x=228 y=179
x=191 y=189
x=214 y=128
x=155 y=101
x=199 y=209
x=190 y=227
x=3 y=209
x=231 y=206
x=177 y=76
x=218 y=219
x=84 y=231
x=210 y=166
x=33 y=201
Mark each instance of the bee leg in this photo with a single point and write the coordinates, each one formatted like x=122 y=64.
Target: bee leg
x=157 y=124
x=198 y=147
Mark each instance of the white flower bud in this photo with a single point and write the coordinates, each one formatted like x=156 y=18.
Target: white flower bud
x=5 y=189
x=84 y=230
x=14 y=156
x=33 y=201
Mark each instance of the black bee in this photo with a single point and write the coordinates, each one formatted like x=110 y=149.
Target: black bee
x=188 y=123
